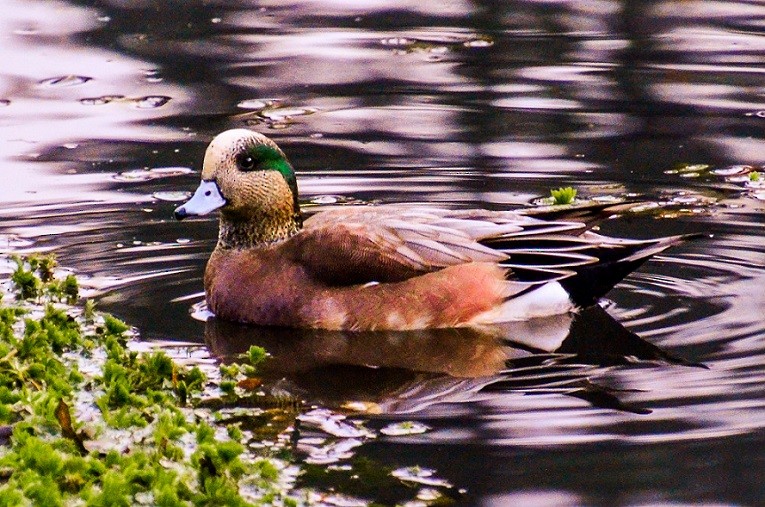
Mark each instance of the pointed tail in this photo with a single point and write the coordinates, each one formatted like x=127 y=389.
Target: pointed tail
x=616 y=260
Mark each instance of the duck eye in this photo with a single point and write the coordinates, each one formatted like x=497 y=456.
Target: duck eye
x=245 y=162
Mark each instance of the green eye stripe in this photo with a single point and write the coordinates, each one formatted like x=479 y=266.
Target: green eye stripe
x=268 y=158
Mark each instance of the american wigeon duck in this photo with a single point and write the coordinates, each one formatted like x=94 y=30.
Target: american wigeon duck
x=389 y=267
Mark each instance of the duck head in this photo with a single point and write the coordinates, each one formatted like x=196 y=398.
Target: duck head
x=248 y=178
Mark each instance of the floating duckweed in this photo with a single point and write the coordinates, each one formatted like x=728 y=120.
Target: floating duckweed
x=100 y=101
x=171 y=196
x=66 y=290
x=405 y=428
x=35 y=275
x=563 y=195
x=242 y=374
x=114 y=326
x=229 y=371
x=228 y=387
x=70 y=287
x=424 y=476
x=43 y=464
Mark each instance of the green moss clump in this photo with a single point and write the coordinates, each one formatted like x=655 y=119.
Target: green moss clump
x=256 y=355
x=27 y=284
x=43 y=265
x=34 y=277
x=89 y=311
x=137 y=384
x=563 y=195
x=114 y=326
x=70 y=288
x=46 y=462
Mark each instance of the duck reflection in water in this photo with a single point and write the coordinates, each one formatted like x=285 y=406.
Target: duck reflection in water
x=405 y=371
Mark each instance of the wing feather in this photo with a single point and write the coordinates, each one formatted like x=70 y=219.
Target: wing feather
x=392 y=243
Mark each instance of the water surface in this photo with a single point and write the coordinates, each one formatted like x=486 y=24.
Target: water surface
x=106 y=109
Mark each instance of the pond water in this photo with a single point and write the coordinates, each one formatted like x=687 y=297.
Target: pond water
x=106 y=109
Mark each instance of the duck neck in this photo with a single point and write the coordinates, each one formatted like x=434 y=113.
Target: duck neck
x=258 y=231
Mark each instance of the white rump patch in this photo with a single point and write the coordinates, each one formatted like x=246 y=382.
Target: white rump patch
x=549 y=299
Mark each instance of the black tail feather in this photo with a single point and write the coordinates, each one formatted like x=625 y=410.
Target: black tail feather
x=593 y=281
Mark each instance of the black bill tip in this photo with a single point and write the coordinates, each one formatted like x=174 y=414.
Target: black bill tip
x=180 y=213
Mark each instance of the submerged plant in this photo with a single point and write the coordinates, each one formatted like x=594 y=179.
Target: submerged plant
x=563 y=195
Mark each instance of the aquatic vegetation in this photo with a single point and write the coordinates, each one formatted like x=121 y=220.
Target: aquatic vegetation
x=88 y=419
x=436 y=45
x=61 y=452
x=27 y=284
x=563 y=195
x=146 y=102
x=405 y=428
x=35 y=275
x=747 y=178
x=272 y=113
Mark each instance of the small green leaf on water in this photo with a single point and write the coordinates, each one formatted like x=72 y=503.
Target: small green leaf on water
x=754 y=176
x=89 y=311
x=256 y=355
x=45 y=265
x=114 y=326
x=563 y=195
x=229 y=371
x=228 y=386
x=27 y=284
x=70 y=288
